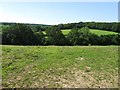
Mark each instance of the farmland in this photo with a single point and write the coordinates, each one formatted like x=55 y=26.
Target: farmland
x=95 y=31
x=66 y=31
x=59 y=66
x=59 y=45
x=31 y=60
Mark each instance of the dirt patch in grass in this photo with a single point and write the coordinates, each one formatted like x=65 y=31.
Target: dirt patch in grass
x=73 y=78
x=60 y=67
x=81 y=79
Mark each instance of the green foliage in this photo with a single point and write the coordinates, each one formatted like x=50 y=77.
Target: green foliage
x=40 y=28
x=19 y=34
x=94 y=39
x=23 y=34
x=73 y=36
x=55 y=37
x=92 y=25
x=40 y=36
x=84 y=35
x=79 y=36
x=109 y=39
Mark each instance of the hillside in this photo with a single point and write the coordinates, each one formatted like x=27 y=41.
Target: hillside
x=60 y=66
x=95 y=31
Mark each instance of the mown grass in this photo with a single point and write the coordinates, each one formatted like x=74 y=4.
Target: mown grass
x=41 y=66
x=102 y=32
x=95 y=31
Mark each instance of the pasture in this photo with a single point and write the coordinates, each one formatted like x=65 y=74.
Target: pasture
x=102 y=32
x=95 y=31
x=59 y=66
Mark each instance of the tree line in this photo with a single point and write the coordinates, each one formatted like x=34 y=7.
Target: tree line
x=113 y=26
x=21 y=34
x=109 y=26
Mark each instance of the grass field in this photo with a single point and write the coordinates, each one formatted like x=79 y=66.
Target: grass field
x=95 y=31
x=101 y=32
x=59 y=66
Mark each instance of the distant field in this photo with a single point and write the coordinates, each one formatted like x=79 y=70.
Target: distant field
x=101 y=32
x=59 y=66
x=95 y=31
x=66 y=31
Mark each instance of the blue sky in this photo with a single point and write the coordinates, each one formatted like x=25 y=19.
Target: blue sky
x=58 y=12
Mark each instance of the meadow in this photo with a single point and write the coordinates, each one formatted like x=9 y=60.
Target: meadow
x=59 y=66
x=95 y=31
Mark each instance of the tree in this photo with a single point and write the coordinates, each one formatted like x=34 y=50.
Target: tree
x=55 y=37
x=73 y=36
x=40 y=28
x=40 y=37
x=19 y=34
x=116 y=39
x=79 y=36
x=94 y=39
x=106 y=40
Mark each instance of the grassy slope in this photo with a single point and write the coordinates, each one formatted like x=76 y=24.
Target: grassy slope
x=101 y=32
x=58 y=66
x=95 y=31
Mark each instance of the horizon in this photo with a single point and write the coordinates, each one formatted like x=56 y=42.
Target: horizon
x=54 y=13
x=57 y=24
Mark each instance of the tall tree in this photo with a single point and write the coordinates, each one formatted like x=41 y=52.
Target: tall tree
x=19 y=34
x=55 y=37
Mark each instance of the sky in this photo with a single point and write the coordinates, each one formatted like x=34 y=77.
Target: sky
x=58 y=12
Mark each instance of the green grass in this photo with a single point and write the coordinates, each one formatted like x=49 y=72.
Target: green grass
x=47 y=66
x=95 y=31
x=44 y=32
x=66 y=31
x=102 y=32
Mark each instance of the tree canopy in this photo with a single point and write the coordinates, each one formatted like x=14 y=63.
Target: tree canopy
x=23 y=34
